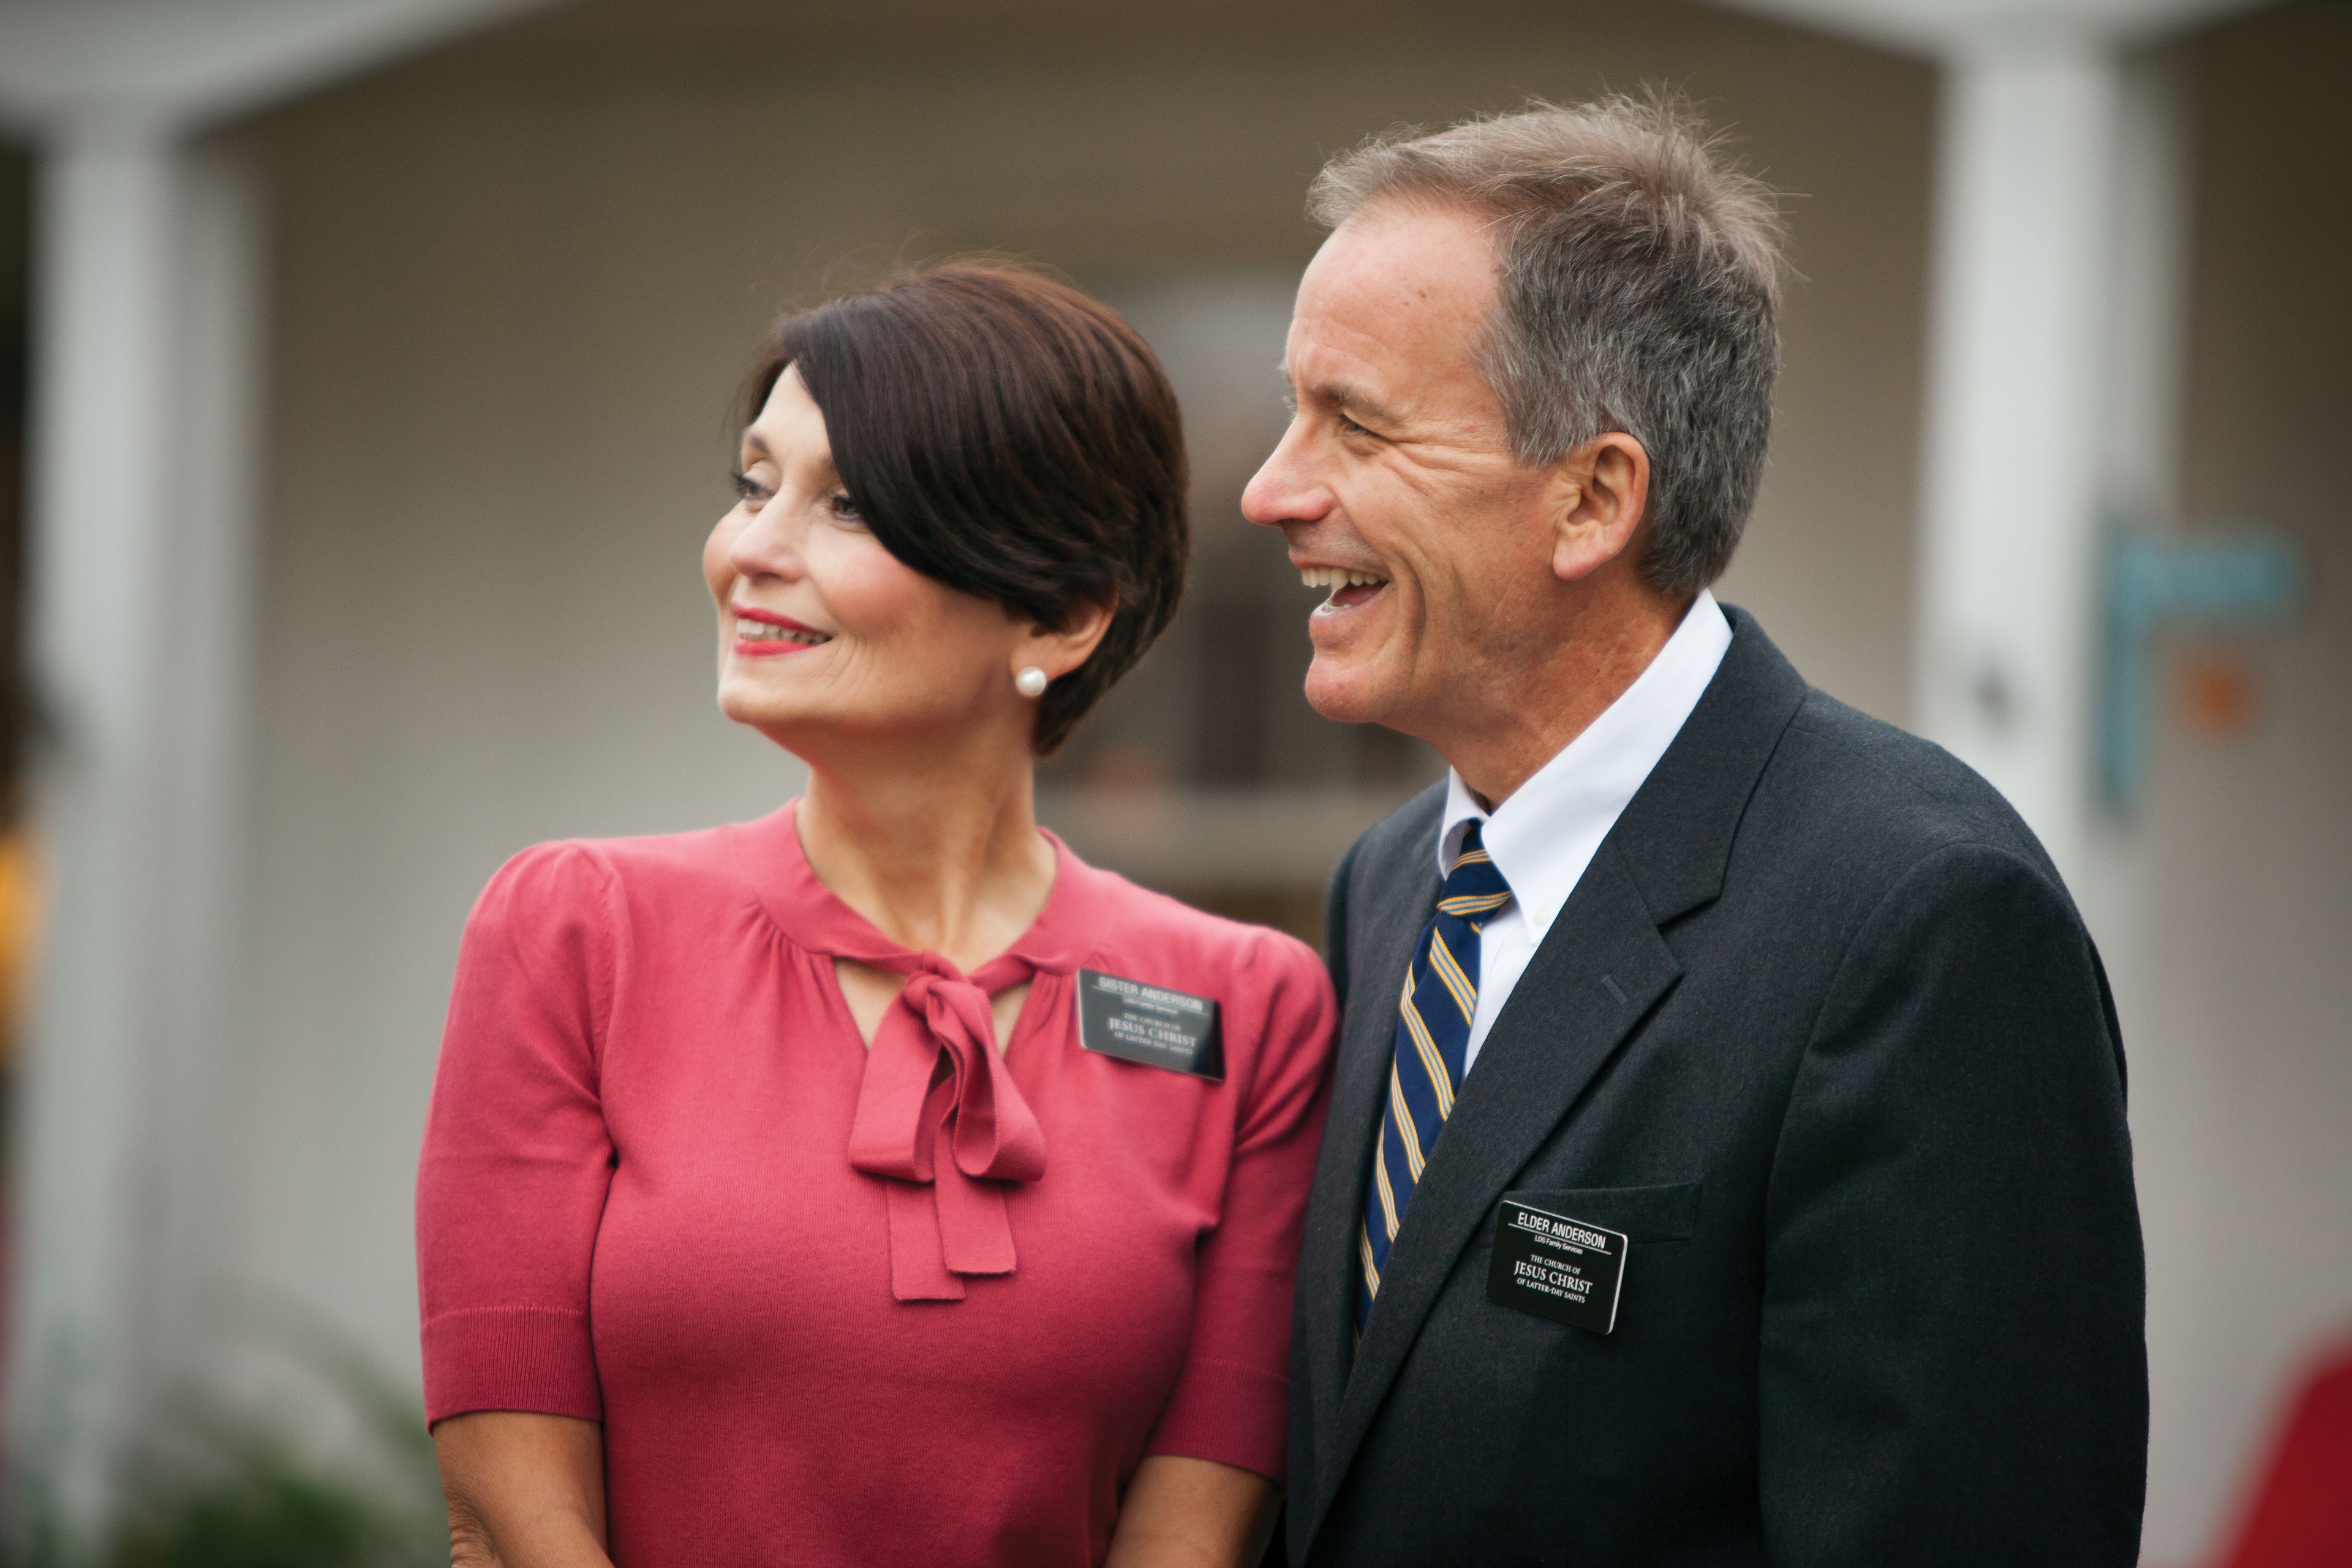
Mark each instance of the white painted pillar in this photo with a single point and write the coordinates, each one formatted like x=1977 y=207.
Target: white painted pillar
x=2147 y=316
x=2012 y=456
x=2058 y=324
x=2142 y=350
x=219 y=427
x=146 y=405
x=106 y=223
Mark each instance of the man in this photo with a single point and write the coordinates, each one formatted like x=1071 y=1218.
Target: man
x=1727 y=1162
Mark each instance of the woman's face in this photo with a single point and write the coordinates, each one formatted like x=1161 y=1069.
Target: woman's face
x=825 y=635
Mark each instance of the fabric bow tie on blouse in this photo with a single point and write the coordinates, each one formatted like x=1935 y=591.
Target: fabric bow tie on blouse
x=941 y=1117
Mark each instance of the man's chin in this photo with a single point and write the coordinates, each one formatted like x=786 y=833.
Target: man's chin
x=1343 y=695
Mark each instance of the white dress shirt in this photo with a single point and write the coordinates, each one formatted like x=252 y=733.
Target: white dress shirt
x=1545 y=835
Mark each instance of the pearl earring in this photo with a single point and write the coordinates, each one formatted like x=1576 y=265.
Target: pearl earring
x=1031 y=682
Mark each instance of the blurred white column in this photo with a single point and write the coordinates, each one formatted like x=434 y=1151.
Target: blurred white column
x=148 y=330
x=2058 y=328
x=146 y=443
x=106 y=227
x=2011 y=468
x=2055 y=321
x=2143 y=349
x=217 y=438
x=2146 y=315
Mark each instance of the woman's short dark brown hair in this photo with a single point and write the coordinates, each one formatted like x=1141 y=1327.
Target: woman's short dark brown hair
x=1007 y=436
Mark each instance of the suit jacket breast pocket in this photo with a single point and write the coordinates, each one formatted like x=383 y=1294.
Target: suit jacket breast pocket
x=1644 y=1215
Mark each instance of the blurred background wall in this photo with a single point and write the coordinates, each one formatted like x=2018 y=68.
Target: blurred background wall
x=2242 y=1035
x=509 y=288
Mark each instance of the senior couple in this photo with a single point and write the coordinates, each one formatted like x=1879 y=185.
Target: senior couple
x=1706 y=1144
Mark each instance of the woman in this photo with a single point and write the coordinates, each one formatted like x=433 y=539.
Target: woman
x=772 y=1207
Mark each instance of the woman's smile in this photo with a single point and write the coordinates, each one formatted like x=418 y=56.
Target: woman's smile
x=761 y=633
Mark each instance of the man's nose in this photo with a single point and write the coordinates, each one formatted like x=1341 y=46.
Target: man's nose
x=1283 y=490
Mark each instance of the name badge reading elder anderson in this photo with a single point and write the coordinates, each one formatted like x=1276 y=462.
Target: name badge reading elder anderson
x=1556 y=1268
x=1149 y=1025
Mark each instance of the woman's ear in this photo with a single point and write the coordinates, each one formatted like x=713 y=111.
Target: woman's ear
x=1057 y=653
x=1601 y=493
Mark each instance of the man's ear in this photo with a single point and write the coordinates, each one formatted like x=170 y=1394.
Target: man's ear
x=1057 y=653
x=1599 y=494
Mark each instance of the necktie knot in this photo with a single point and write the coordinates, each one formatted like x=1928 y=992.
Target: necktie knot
x=1474 y=888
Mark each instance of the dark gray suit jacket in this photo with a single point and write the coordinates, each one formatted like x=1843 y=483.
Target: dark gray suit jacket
x=1820 y=1031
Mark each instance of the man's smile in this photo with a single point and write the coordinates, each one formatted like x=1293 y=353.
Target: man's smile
x=1349 y=587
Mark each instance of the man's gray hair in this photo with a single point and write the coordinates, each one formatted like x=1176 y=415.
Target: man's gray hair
x=1641 y=273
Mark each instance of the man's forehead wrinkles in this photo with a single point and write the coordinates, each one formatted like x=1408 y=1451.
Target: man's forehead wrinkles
x=1336 y=355
x=1402 y=401
x=1377 y=338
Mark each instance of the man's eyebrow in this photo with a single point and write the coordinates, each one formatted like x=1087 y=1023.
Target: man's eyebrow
x=1342 y=396
x=1353 y=400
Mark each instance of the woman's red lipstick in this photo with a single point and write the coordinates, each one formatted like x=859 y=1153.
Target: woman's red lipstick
x=755 y=637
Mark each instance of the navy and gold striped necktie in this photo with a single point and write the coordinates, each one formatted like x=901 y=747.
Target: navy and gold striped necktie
x=1433 y=1036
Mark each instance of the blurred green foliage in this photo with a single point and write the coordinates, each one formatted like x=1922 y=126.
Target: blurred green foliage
x=228 y=1489
x=270 y=1510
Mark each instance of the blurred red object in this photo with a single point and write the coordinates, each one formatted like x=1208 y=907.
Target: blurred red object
x=2219 y=693
x=2300 y=1512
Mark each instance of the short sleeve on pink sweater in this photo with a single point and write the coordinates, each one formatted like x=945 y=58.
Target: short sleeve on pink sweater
x=1231 y=1402
x=516 y=1157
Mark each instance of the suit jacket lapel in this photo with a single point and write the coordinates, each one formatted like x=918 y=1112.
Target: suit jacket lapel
x=1328 y=1269
x=1594 y=979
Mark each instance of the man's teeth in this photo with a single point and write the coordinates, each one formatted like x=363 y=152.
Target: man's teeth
x=1337 y=577
x=761 y=631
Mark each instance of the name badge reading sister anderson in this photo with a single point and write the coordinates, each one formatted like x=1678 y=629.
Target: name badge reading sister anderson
x=1147 y=1024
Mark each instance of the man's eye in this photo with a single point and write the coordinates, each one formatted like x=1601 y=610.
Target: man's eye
x=1349 y=427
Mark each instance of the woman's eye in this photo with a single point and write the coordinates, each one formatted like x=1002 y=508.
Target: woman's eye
x=842 y=509
x=748 y=488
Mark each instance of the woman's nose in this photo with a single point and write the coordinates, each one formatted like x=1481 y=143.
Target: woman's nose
x=766 y=546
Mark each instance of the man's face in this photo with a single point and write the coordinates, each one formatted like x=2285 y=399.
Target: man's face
x=1395 y=485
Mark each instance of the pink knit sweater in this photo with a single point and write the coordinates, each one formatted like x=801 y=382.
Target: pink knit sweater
x=930 y=1304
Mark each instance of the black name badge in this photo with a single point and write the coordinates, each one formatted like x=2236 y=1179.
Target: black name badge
x=1149 y=1025
x=1556 y=1268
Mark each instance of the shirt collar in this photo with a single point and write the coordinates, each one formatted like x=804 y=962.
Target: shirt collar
x=1544 y=834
